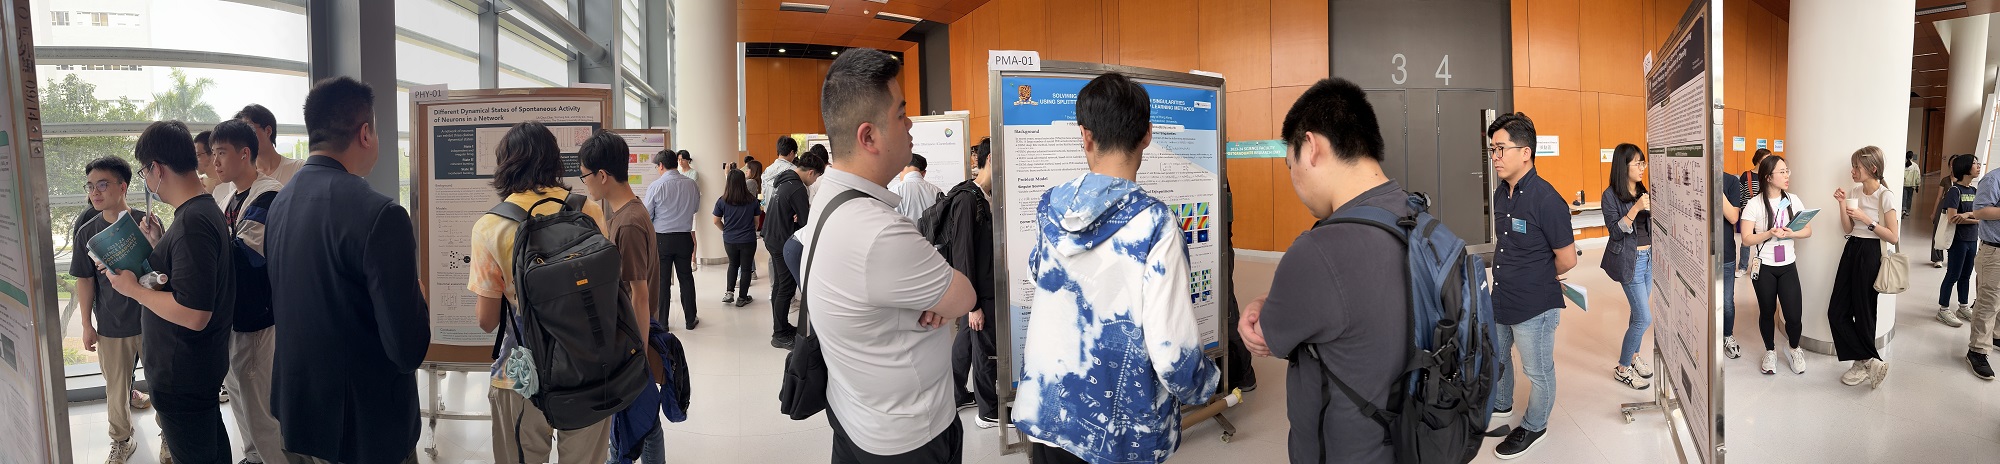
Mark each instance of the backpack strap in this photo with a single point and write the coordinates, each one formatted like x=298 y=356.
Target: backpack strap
x=805 y=271
x=1397 y=226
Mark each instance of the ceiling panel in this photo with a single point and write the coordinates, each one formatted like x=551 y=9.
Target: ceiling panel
x=845 y=22
x=1930 y=62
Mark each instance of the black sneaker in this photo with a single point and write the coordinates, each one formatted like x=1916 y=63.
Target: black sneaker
x=1979 y=365
x=727 y=297
x=744 y=301
x=1517 y=443
x=985 y=422
x=693 y=323
x=783 y=343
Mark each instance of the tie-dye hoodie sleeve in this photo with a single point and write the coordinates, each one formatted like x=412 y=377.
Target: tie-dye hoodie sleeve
x=1166 y=317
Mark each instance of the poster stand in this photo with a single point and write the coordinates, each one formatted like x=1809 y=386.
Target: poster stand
x=1013 y=213
x=451 y=158
x=945 y=141
x=1683 y=137
x=36 y=425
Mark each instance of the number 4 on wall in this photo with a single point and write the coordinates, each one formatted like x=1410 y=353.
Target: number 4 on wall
x=1444 y=70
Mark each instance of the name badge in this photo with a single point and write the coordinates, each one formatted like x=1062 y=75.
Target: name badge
x=1520 y=226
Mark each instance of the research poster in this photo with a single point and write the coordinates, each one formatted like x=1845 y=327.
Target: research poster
x=942 y=140
x=1043 y=148
x=25 y=434
x=464 y=142
x=1679 y=175
x=643 y=144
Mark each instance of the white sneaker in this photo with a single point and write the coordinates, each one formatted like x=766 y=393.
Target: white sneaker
x=1949 y=318
x=1855 y=373
x=1877 y=371
x=1965 y=311
x=166 y=457
x=1770 y=365
x=1639 y=365
x=1730 y=348
x=1625 y=376
x=121 y=450
x=1797 y=359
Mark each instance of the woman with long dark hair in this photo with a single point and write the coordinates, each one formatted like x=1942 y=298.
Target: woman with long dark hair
x=1965 y=241
x=1765 y=225
x=1868 y=216
x=1628 y=257
x=736 y=214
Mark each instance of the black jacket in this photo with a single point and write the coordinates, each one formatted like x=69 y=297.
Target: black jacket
x=352 y=325
x=969 y=238
x=786 y=211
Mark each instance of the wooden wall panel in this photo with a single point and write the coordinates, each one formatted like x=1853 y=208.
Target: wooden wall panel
x=1553 y=47
x=1289 y=217
x=1025 y=23
x=757 y=98
x=1735 y=53
x=1076 y=31
x=1780 y=68
x=1112 y=29
x=1159 y=34
x=1229 y=32
x=1249 y=115
x=1757 y=77
x=1556 y=112
x=1250 y=186
x=1518 y=17
x=1592 y=171
x=1298 y=43
x=1610 y=52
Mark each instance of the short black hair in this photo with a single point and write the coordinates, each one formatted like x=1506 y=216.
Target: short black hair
x=335 y=110
x=1338 y=110
x=820 y=148
x=115 y=165
x=787 y=146
x=918 y=161
x=664 y=158
x=605 y=151
x=238 y=133
x=262 y=116
x=530 y=161
x=1520 y=129
x=1117 y=111
x=1758 y=157
x=1961 y=167
x=200 y=139
x=166 y=143
x=683 y=154
x=856 y=91
x=812 y=161
x=981 y=152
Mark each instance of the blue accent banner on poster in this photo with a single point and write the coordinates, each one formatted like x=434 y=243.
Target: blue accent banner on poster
x=1042 y=146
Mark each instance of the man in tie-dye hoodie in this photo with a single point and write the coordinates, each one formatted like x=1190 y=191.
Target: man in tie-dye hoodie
x=1112 y=349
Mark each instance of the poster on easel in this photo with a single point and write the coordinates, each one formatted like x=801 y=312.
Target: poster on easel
x=1682 y=139
x=455 y=144
x=1037 y=145
x=35 y=426
x=643 y=145
x=946 y=146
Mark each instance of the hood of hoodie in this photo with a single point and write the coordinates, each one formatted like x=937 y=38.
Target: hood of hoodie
x=1083 y=213
x=786 y=177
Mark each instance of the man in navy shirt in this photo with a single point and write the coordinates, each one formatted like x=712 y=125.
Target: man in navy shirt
x=352 y=321
x=1732 y=196
x=1535 y=247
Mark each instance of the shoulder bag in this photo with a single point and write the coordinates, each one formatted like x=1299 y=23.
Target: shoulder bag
x=803 y=393
x=1894 y=277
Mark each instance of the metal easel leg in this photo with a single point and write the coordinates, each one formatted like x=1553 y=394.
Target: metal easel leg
x=436 y=407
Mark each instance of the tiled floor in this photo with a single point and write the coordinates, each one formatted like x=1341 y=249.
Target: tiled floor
x=1929 y=411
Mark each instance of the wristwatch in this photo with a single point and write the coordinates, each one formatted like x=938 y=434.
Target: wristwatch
x=1871 y=227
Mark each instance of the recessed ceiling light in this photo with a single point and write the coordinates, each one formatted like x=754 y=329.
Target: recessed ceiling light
x=803 y=7
x=1941 y=9
x=836 y=53
x=781 y=50
x=887 y=16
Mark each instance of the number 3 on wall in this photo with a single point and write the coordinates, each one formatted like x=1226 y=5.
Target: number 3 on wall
x=1402 y=73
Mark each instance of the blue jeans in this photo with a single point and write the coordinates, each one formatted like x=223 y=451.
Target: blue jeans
x=1538 y=359
x=655 y=449
x=1728 y=299
x=1957 y=271
x=1743 y=257
x=1639 y=285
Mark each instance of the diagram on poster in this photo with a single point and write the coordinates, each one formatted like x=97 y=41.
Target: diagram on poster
x=1044 y=148
x=1677 y=134
x=464 y=153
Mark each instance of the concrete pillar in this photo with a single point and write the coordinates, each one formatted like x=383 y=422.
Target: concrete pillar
x=1835 y=108
x=358 y=39
x=705 y=81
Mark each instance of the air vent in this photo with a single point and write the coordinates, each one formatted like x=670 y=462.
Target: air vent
x=1941 y=9
x=898 y=18
x=803 y=7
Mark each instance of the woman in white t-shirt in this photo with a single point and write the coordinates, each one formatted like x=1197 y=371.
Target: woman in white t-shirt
x=1869 y=217
x=1765 y=227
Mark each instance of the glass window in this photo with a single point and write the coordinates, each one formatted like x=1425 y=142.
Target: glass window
x=633 y=38
x=185 y=25
x=635 y=111
x=442 y=20
x=416 y=63
x=59 y=18
x=532 y=61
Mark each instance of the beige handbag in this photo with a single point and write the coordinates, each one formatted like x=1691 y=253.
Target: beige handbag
x=1895 y=274
x=1946 y=232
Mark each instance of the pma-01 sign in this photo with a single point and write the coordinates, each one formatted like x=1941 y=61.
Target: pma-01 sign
x=1014 y=60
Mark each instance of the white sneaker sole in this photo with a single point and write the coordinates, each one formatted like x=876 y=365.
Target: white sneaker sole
x=1975 y=371
x=1877 y=373
x=1503 y=415
x=1531 y=447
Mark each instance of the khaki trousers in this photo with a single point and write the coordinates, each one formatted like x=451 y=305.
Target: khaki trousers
x=589 y=445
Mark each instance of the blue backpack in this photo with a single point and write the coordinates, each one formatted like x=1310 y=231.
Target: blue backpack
x=1444 y=404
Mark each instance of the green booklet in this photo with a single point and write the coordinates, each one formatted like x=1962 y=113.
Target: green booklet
x=122 y=247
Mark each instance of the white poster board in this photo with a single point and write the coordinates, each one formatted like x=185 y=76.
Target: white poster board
x=454 y=161
x=1682 y=138
x=34 y=425
x=1037 y=145
x=643 y=143
x=946 y=146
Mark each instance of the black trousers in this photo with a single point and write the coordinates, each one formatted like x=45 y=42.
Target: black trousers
x=1850 y=312
x=191 y=420
x=947 y=448
x=783 y=288
x=676 y=260
x=972 y=354
x=1045 y=454
x=1775 y=285
x=741 y=257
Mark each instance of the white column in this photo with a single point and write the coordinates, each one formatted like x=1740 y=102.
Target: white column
x=1850 y=85
x=705 y=82
x=1965 y=89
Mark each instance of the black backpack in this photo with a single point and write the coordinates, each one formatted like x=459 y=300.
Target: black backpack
x=935 y=223
x=574 y=316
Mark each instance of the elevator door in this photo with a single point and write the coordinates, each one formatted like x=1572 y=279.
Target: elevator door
x=1462 y=162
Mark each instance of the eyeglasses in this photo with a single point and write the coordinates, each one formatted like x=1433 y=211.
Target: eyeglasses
x=1782 y=172
x=145 y=169
x=1500 y=150
x=102 y=185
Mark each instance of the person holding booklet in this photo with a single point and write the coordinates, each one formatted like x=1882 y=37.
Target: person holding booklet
x=1767 y=226
x=1869 y=218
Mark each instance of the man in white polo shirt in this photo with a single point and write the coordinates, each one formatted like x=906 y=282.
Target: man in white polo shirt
x=879 y=299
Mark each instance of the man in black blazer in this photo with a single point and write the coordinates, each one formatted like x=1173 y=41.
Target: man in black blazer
x=352 y=321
